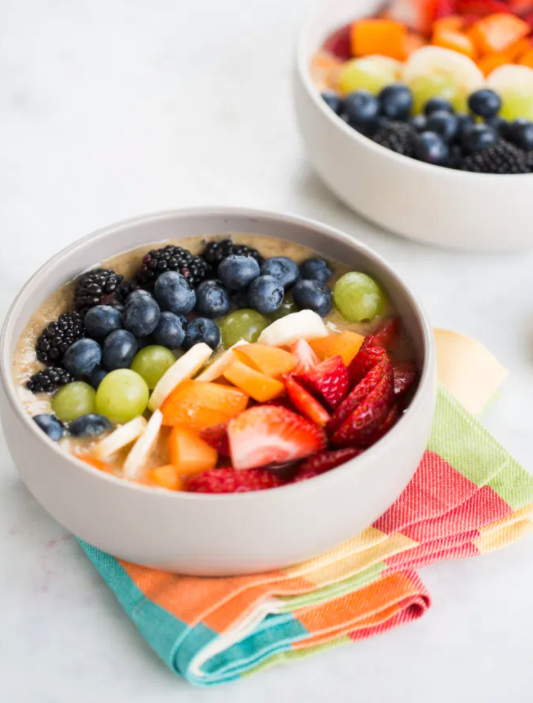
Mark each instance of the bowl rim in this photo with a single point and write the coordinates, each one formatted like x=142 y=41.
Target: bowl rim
x=10 y=388
x=302 y=67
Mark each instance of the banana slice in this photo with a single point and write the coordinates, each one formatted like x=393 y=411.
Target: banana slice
x=217 y=368
x=435 y=60
x=136 y=459
x=120 y=438
x=305 y=324
x=511 y=78
x=185 y=367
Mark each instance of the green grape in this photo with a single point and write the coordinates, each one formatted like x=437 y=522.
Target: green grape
x=122 y=395
x=286 y=308
x=242 y=324
x=365 y=74
x=73 y=400
x=358 y=297
x=516 y=104
x=152 y=362
x=435 y=85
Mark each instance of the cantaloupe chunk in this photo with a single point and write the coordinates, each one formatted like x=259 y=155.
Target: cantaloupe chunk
x=322 y=345
x=497 y=32
x=189 y=453
x=487 y=64
x=271 y=361
x=456 y=41
x=167 y=477
x=258 y=385
x=198 y=404
x=379 y=36
x=346 y=344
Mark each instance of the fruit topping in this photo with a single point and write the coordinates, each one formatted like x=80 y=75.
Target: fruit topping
x=174 y=293
x=238 y=271
x=90 y=425
x=227 y=480
x=257 y=385
x=339 y=44
x=215 y=252
x=167 y=477
x=387 y=335
x=372 y=73
x=220 y=364
x=305 y=403
x=212 y=300
x=396 y=136
x=201 y=330
x=49 y=380
x=197 y=404
x=384 y=37
x=120 y=438
x=267 y=434
x=169 y=331
x=185 y=367
x=346 y=344
x=358 y=297
x=316 y=269
x=96 y=287
x=217 y=437
x=404 y=375
x=497 y=32
x=485 y=103
x=240 y=325
x=136 y=460
x=305 y=324
x=58 y=336
x=332 y=100
x=329 y=381
x=73 y=400
x=152 y=363
x=101 y=321
x=500 y=158
x=265 y=294
x=305 y=355
x=282 y=268
x=171 y=258
x=396 y=101
x=361 y=109
x=189 y=453
x=325 y=461
x=119 y=350
x=364 y=361
x=287 y=307
x=520 y=133
x=313 y=295
x=122 y=395
x=50 y=425
x=271 y=361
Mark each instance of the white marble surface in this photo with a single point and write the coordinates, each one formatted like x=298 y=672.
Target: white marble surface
x=109 y=109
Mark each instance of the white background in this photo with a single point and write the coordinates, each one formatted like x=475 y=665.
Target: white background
x=110 y=109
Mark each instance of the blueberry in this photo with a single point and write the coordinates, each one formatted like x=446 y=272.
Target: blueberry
x=169 y=331
x=96 y=376
x=499 y=125
x=147 y=341
x=137 y=295
x=212 y=299
x=102 y=320
x=455 y=158
x=442 y=123
x=430 y=148
x=81 y=357
x=477 y=137
x=282 y=268
x=438 y=104
x=313 y=295
x=239 y=298
x=464 y=122
x=316 y=269
x=50 y=425
x=332 y=100
x=485 y=103
x=238 y=271
x=418 y=122
x=89 y=425
x=265 y=294
x=201 y=329
x=520 y=133
x=119 y=349
x=141 y=315
x=361 y=108
x=396 y=101
x=173 y=293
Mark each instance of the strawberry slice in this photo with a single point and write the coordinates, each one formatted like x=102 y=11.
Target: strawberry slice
x=307 y=357
x=339 y=44
x=387 y=335
x=419 y=15
x=364 y=361
x=482 y=8
x=387 y=424
x=305 y=403
x=217 y=437
x=380 y=373
x=266 y=434
x=404 y=373
x=227 y=480
x=329 y=380
x=319 y=463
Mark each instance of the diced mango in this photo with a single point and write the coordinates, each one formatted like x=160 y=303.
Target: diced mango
x=453 y=22
x=518 y=49
x=189 y=453
x=527 y=59
x=198 y=404
x=322 y=345
x=167 y=477
x=379 y=36
x=487 y=64
x=94 y=462
x=271 y=361
x=456 y=41
x=496 y=33
x=259 y=386
x=346 y=344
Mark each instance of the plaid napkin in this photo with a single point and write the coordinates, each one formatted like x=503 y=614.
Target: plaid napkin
x=467 y=497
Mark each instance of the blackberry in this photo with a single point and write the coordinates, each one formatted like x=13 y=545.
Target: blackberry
x=49 y=380
x=170 y=258
x=500 y=158
x=396 y=136
x=215 y=252
x=97 y=287
x=57 y=337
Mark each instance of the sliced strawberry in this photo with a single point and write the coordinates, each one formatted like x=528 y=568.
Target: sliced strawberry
x=217 y=437
x=338 y=44
x=404 y=373
x=380 y=373
x=227 y=480
x=521 y=7
x=365 y=360
x=419 y=15
x=266 y=434
x=329 y=380
x=305 y=403
x=387 y=335
x=307 y=358
x=482 y=8
x=319 y=463
x=382 y=429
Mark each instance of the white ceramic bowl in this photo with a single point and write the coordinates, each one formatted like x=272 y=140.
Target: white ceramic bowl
x=428 y=203
x=225 y=534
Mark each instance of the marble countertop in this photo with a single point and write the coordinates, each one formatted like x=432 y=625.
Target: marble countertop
x=110 y=109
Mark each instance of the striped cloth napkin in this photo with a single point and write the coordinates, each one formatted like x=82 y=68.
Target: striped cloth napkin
x=468 y=497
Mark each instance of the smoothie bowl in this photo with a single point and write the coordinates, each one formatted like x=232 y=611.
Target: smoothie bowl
x=212 y=392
